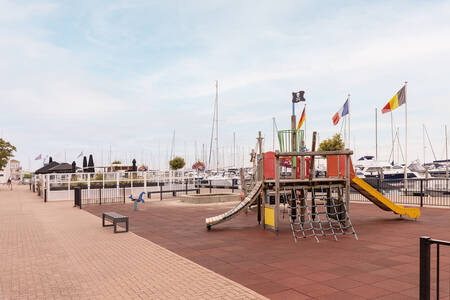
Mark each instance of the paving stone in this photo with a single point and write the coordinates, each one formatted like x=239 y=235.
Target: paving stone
x=54 y=251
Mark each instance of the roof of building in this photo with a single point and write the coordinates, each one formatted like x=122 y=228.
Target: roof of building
x=45 y=169
x=62 y=168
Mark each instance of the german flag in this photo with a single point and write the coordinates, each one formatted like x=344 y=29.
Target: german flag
x=398 y=100
x=302 y=119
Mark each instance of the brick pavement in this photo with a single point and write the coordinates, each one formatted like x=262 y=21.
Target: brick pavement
x=55 y=251
x=383 y=264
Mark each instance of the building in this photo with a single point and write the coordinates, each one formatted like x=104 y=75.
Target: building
x=15 y=169
x=12 y=169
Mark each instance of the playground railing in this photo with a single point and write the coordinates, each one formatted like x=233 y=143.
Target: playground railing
x=425 y=266
x=418 y=191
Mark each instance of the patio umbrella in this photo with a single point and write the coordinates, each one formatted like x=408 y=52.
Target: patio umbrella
x=85 y=164
x=91 y=164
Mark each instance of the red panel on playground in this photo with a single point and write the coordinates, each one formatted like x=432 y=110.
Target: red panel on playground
x=269 y=165
x=332 y=166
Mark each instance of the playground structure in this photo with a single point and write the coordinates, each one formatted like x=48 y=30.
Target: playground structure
x=316 y=206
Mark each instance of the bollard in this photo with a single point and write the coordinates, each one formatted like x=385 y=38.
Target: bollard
x=160 y=193
x=424 y=268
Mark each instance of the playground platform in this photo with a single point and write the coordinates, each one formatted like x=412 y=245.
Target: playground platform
x=55 y=251
x=382 y=264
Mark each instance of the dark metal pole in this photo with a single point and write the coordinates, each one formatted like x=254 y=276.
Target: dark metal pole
x=186 y=186
x=425 y=268
x=437 y=271
x=259 y=209
x=421 y=192
x=160 y=193
x=100 y=195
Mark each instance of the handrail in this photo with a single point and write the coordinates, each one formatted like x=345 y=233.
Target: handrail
x=425 y=266
x=314 y=153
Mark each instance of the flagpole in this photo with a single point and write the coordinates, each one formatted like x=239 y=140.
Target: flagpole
x=348 y=121
x=376 y=134
x=304 y=132
x=392 y=137
x=406 y=135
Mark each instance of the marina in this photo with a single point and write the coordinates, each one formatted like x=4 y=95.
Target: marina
x=224 y=150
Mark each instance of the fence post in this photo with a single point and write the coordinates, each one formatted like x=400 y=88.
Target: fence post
x=124 y=194
x=45 y=194
x=232 y=185
x=186 y=186
x=210 y=186
x=145 y=182
x=421 y=192
x=117 y=185
x=424 y=268
x=160 y=193
x=100 y=192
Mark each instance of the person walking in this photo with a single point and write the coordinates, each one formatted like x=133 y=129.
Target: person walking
x=10 y=183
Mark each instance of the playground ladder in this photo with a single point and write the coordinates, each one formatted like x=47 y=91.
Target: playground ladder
x=325 y=215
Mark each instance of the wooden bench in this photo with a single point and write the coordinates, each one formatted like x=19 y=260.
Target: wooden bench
x=115 y=218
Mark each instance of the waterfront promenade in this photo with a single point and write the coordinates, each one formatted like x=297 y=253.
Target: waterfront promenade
x=55 y=251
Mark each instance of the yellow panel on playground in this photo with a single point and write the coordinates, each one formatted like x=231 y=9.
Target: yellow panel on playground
x=269 y=216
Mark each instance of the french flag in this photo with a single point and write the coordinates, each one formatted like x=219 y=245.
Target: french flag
x=342 y=112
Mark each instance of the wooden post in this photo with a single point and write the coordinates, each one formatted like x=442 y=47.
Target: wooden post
x=311 y=164
x=277 y=190
x=260 y=177
x=294 y=145
x=243 y=184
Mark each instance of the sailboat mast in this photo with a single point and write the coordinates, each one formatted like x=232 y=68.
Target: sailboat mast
x=234 y=149
x=217 y=125
x=446 y=155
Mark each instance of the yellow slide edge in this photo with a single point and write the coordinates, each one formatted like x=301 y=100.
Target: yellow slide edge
x=411 y=212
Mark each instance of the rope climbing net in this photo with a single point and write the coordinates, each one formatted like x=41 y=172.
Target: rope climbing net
x=321 y=215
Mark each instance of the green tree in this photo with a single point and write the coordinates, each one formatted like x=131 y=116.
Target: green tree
x=331 y=144
x=177 y=163
x=6 y=152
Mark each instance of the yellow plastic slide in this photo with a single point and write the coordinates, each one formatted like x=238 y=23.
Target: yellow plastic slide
x=381 y=201
x=251 y=197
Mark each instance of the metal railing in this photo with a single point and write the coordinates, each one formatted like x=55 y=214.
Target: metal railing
x=100 y=196
x=418 y=191
x=425 y=266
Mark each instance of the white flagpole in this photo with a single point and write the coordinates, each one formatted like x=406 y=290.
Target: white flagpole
x=348 y=121
x=304 y=132
x=376 y=134
x=406 y=135
x=392 y=137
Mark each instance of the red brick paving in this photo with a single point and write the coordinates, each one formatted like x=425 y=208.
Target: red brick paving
x=383 y=263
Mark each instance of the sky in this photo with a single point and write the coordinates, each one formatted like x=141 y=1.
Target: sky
x=118 y=78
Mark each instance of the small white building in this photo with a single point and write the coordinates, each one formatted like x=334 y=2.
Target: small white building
x=5 y=173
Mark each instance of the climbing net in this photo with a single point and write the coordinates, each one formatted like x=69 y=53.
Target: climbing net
x=324 y=214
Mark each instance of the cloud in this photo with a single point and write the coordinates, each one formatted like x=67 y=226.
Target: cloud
x=129 y=72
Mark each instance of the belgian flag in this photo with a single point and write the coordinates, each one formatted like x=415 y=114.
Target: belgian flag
x=398 y=100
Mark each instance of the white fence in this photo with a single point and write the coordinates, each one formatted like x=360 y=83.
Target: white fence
x=60 y=186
